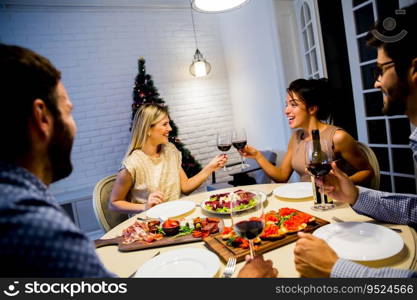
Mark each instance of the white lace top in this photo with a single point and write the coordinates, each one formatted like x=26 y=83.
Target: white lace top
x=152 y=174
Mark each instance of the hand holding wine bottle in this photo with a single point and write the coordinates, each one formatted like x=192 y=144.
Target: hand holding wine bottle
x=319 y=155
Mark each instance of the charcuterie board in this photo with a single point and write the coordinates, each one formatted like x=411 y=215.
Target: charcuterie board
x=164 y=241
x=140 y=245
x=216 y=243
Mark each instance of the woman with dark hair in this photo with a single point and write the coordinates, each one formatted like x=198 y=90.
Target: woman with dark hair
x=308 y=107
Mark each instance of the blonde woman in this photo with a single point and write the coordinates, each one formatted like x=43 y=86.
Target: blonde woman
x=151 y=170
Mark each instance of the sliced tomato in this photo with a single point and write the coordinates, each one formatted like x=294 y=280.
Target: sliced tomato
x=270 y=230
x=292 y=225
x=170 y=223
x=227 y=230
x=197 y=234
x=306 y=217
x=285 y=211
x=271 y=217
x=244 y=244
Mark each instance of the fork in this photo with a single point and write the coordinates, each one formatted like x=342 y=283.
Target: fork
x=230 y=268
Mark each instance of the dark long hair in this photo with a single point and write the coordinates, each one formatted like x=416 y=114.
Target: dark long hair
x=314 y=92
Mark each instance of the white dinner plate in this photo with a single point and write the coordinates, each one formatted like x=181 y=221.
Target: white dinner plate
x=297 y=190
x=202 y=205
x=184 y=262
x=361 y=241
x=170 y=209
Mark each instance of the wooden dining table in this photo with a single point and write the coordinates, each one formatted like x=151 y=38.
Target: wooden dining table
x=125 y=264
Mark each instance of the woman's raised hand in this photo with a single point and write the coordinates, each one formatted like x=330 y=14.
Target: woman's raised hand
x=154 y=198
x=217 y=162
x=249 y=152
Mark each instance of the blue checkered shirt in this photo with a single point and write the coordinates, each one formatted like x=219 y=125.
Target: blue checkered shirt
x=386 y=207
x=37 y=238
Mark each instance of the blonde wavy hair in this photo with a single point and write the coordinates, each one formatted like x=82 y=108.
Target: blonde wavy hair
x=146 y=116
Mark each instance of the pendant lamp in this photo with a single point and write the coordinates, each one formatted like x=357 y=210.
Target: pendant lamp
x=200 y=67
x=216 y=6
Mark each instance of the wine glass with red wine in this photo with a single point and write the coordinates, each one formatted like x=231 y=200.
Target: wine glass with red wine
x=239 y=141
x=224 y=142
x=319 y=155
x=246 y=212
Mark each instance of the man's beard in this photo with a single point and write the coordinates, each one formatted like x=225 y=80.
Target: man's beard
x=396 y=103
x=59 y=151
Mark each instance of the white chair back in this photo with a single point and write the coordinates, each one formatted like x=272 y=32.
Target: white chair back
x=373 y=161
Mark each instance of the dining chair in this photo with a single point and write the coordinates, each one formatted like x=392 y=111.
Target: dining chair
x=373 y=161
x=101 y=196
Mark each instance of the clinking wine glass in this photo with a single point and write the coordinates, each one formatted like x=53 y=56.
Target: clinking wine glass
x=224 y=142
x=319 y=165
x=247 y=223
x=239 y=141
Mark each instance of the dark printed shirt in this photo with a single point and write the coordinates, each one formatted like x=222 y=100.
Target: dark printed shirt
x=37 y=238
x=386 y=207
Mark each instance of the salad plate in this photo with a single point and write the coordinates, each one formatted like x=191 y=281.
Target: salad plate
x=220 y=203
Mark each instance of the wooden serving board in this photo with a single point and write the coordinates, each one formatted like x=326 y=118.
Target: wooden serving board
x=219 y=246
x=140 y=245
x=166 y=241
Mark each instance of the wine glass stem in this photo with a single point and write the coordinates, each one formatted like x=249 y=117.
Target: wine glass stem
x=252 y=251
x=242 y=166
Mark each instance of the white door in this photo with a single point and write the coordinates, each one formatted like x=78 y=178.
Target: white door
x=311 y=38
x=387 y=136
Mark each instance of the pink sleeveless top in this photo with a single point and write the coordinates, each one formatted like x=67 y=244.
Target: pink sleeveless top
x=298 y=161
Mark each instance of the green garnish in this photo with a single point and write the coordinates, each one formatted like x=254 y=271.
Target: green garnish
x=184 y=230
x=230 y=241
x=285 y=218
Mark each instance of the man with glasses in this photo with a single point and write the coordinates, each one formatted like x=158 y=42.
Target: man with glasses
x=396 y=77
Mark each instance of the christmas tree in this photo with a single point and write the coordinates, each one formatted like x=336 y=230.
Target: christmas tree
x=145 y=92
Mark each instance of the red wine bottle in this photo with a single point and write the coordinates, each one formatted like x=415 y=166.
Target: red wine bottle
x=318 y=166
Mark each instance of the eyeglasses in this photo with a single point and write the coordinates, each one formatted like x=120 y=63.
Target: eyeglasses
x=379 y=69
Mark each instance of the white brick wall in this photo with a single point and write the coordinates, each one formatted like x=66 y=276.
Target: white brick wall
x=97 y=50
